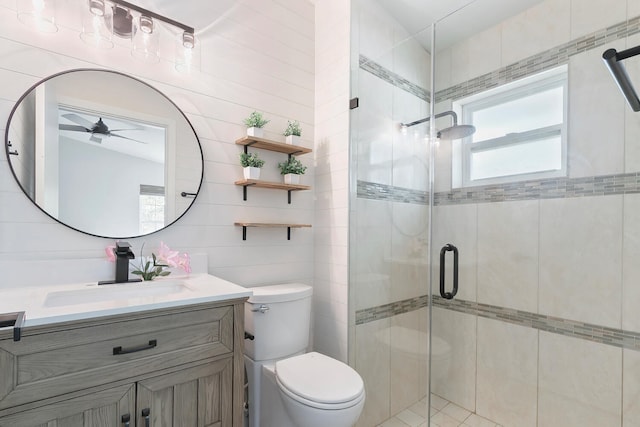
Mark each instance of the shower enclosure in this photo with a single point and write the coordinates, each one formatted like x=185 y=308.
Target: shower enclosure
x=494 y=275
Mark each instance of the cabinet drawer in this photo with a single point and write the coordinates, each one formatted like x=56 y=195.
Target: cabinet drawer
x=46 y=365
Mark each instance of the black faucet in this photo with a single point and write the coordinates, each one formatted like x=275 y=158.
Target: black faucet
x=123 y=254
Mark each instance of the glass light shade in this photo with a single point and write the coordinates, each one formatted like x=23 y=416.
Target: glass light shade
x=186 y=53
x=97 y=24
x=38 y=14
x=145 y=42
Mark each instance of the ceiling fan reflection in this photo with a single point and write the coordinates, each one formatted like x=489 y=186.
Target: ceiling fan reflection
x=98 y=130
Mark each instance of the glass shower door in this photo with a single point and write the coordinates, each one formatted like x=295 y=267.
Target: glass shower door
x=534 y=232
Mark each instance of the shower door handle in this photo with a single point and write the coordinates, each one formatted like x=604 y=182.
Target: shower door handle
x=447 y=248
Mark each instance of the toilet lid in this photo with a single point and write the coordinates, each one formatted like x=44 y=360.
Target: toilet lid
x=319 y=378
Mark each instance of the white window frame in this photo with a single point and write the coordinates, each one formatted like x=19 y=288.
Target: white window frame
x=465 y=148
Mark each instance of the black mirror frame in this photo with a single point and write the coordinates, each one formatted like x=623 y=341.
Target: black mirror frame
x=8 y=151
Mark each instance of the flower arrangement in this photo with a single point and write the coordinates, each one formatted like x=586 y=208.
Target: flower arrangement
x=149 y=269
x=255 y=120
x=293 y=166
x=251 y=160
x=293 y=128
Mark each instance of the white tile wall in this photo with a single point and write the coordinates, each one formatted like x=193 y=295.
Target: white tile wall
x=631 y=267
x=508 y=254
x=580 y=383
x=507 y=387
x=453 y=369
x=596 y=129
x=631 y=388
x=585 y=16
x=331 y=315
x=369 y=348
x=537 y=29
x=581 y=259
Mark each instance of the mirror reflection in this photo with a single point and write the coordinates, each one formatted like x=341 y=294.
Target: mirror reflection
x=104 y=153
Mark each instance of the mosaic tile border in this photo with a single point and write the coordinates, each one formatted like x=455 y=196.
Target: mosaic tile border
x=392 y=309
x=552 y=188
x=570 y=328
x=376 y=191
x=546 y=60
x=540 y=62
x=394 y=78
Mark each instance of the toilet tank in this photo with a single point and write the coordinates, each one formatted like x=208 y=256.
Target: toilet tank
x=279 y=317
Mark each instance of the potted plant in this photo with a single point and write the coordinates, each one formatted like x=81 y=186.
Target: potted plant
x=251 y=164
x=292 y=132
x=255 y=122
x=292 y=169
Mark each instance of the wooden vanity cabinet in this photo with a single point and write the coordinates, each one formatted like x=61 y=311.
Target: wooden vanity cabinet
x=105 y=408
x=177 y=367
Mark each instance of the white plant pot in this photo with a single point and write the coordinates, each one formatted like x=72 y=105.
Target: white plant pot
x=292 y=139
x=251 y=173
x=256 y=132
x=291 y=178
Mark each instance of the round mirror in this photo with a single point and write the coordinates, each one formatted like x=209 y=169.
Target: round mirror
x=104 y=153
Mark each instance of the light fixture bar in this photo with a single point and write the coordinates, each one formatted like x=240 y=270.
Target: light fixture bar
x=153 y=15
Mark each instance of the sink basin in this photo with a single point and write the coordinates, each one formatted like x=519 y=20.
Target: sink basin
x=116 y=292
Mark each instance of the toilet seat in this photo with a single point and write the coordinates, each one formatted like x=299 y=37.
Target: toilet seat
x=319 y=381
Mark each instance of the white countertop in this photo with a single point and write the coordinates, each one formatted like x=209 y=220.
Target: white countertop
x=53 y=304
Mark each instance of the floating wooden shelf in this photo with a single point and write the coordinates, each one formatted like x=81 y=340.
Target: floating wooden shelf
x=244 y=226
x=267 y=144
x=273 y=185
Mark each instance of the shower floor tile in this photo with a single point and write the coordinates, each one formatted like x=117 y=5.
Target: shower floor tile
x=443 y=414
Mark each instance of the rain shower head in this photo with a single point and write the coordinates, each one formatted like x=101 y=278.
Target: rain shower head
x=457 y=132
x=454 y=132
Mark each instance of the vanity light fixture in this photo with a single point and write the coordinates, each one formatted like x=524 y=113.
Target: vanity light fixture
x=103 y=19
x=97 y=25
x=145 y=42
x=38 y=14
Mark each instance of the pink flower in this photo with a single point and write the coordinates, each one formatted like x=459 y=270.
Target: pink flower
x=184 y=262
x=167 y=256
x=110 y=251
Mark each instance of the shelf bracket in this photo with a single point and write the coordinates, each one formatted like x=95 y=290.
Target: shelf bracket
x=244 y=190
x=244 y=232
x=289 y=196
x=288 y=233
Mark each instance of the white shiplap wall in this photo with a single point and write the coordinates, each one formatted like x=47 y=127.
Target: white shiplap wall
x=259 y=54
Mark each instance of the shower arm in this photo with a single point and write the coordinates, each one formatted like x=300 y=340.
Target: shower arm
x=437 y=116
x=612 y=59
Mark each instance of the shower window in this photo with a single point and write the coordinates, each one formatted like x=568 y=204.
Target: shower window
x=521 y=132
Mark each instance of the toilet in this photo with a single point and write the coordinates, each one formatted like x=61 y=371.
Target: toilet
x=287 y=386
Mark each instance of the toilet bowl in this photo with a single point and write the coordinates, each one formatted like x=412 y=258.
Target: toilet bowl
x=287 y=386
x=319 y=391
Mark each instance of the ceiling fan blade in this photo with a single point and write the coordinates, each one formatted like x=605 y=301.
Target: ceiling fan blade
x=125 y=137
x=95 y=139
x=118 y=130
x=79 y=120
x=76 y=128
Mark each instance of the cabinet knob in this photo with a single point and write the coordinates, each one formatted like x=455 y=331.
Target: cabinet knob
x=146 y=413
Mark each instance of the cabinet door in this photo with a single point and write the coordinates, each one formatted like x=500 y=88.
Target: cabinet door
x=200 y=396
x=106 y=408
